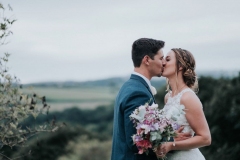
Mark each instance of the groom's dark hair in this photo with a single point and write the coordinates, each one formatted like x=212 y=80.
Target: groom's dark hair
x=143 y=47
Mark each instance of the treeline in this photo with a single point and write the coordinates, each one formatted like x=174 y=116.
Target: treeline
x=97 y=120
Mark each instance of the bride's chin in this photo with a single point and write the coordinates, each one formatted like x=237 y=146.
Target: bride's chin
x=163 y=75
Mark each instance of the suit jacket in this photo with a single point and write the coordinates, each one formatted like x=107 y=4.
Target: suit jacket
x=133 y=93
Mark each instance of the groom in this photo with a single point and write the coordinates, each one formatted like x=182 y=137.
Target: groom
x=147 y=57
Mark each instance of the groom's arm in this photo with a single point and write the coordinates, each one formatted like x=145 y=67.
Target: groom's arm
x=132 y=102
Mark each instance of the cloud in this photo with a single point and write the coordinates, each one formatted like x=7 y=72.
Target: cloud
x=80 y=40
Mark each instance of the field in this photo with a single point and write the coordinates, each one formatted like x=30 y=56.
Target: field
x=81 y=97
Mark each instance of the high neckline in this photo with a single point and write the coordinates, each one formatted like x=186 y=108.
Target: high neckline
x=178 y=92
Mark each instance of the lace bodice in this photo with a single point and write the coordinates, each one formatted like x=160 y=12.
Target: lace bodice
x=176 y=111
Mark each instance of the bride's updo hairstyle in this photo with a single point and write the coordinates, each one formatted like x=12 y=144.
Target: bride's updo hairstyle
x=185 y=59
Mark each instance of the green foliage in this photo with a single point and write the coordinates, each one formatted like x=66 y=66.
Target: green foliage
x=97 y=120
x=88 y=149
x=87 y=132
x=159 y=97
x=50 y=147
x=221 y=100
x=5 y=24
x=86 y=136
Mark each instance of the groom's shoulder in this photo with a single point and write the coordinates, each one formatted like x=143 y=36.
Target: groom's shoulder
x=132 y=85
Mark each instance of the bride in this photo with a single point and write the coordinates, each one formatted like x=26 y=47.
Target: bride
x=179 y=69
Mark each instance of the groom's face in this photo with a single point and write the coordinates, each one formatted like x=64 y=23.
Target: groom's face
x=156 y=64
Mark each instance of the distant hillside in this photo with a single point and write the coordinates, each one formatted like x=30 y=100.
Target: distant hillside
x=117 y=82
x=219 y=73
x=73 y=84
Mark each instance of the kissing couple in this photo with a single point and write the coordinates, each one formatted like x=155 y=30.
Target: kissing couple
x=178 y=67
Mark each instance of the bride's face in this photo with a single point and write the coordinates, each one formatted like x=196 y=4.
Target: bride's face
x=170 y=65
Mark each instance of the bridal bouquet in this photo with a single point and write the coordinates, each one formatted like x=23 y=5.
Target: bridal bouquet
x=153 y=127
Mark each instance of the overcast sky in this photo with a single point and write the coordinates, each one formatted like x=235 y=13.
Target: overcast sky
x=59 y=40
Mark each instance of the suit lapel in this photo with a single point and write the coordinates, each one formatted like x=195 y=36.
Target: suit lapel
x=136 y=77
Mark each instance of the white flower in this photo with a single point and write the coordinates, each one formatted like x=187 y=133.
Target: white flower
x=153 y=106
x=140 y=115
x=153 y=90
x=176 y=114
x=146 y=128
x=142 y=108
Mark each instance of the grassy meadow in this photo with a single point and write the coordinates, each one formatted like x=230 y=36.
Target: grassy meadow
x=81 y=97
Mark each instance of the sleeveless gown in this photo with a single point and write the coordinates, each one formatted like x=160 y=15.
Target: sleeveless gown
x=175 y=111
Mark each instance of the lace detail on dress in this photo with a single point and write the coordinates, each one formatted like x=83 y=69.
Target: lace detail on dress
x=176 y=111
x=177 y=98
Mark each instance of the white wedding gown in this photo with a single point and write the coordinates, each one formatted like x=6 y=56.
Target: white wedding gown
x=175 y=111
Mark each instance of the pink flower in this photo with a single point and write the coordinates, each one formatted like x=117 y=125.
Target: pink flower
x=144 y=143
x=140 y=131
x=140 y=150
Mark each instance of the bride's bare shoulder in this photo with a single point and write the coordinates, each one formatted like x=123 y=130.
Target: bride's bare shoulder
x=190 y=99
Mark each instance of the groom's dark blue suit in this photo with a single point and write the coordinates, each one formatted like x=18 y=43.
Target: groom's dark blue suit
x=134 y=92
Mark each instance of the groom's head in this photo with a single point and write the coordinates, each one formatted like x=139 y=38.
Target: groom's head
x=147 y=54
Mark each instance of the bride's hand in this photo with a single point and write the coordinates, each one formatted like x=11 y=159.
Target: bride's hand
x=163 y=149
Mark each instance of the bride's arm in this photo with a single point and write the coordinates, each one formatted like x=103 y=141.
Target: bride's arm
x=197 y=121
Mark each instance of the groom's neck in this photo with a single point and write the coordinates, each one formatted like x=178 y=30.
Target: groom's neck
x=143 y=72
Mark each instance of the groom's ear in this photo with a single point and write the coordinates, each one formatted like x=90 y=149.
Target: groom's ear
x=146 y=60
